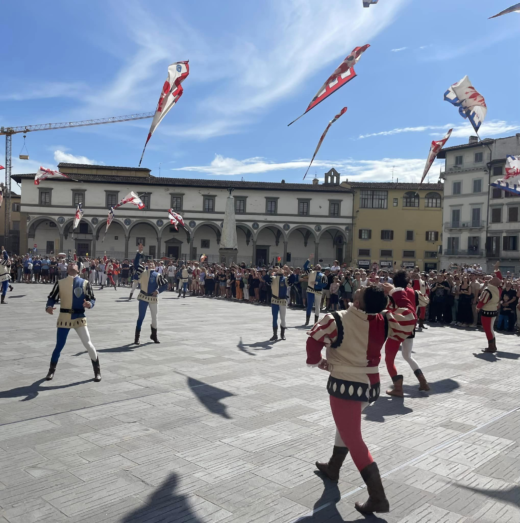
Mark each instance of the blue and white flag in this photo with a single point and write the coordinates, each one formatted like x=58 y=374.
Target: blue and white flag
x=470 y=102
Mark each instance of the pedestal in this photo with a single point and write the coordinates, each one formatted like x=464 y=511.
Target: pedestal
x=228 y=256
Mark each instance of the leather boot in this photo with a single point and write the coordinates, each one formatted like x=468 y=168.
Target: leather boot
x=153 y=336
x=398 y=387
x=422 y=325
x=331 y=469
x=377 y=501
x=307 y=319
x=316 y=319
x=137 y=336
x=275 y=334
x=282 y=334
x=11 y=288
x=492 y=346
x=184 y=294
x=97 y=370
x=2 y=301
x=52 y=370
x=423 y=384
x=130 y=297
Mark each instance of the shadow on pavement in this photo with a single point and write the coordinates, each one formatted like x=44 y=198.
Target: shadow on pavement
x=436 y=387
x=386 y=406
x=511 y=495
x=164 y=505
x=492 y=357
x=33 y=390
x=259 y=345
x=210 y=396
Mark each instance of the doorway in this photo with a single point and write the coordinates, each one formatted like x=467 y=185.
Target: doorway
x=82 y=248
x=262 y=256
x=172 y=251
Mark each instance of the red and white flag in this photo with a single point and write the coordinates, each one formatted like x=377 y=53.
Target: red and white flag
x=513 y=9
x=110 y=219
x=512 y=167
x=435 y=149
x=1 y=195
x=170 y=94
x=470 y=102
x=43 y=174
x=175 y=218
x=342 y=75
x=79 y=215
x=132 y=198
x=1 y=167
x=335 y=119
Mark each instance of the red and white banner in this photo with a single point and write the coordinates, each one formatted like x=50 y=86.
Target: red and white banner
x=342 y=75
x=512 y=167
x=77 y=218
x=470 y=102
x=170 y=94
x=132 y=198
x=1 y=195
x=435 y=149
x=110 y=219
x=43 y=174
x=335 y=119
x=513 y=9
x=175 y=219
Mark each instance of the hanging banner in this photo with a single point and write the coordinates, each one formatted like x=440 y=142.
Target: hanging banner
x=43 y=174
x=78 y=217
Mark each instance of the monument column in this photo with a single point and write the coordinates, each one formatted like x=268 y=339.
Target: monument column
x=284 y=261
x=228 y=251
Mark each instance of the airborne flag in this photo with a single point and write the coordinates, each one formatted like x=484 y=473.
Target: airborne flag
x=435 y=149
x=513 y=9
x=368 y=3
x=78 y=217
x=43 y=174
x=132 y=198
x=470 y=102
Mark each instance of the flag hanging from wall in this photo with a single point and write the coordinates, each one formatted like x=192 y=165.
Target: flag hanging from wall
x=43 y=174
x=435 y=149
x=78 y=217
x=170 y=94
x=470 y=102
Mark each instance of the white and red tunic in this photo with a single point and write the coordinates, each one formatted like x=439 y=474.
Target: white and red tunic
x=354 y=340
x=489 y=300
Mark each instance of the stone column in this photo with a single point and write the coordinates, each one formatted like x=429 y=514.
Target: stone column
x=93 y=253
x=316 y=249
x=284 y=253
x=126 y=246
x=228 y=251
x=158 y=247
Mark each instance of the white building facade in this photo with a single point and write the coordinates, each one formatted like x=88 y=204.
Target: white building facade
x=481 y=225
x=274 y=220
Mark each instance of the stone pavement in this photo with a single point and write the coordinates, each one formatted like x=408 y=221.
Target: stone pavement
x=216 y=424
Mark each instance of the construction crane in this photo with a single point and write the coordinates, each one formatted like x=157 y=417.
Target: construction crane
x=9 y=131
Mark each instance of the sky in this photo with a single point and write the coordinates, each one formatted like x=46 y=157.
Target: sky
x=254 y=67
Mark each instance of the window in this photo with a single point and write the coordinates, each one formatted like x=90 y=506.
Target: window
x=139 y=241
x=209 y=204
x=455 y=217
x=510 y=243
x=409 y=236
x=204 y=244
x=365 y=234
x=473 y=244
x=408 y=254
x=303 y=207
x=176 y=203
x=49 y=248
x=288 y=257
x=432 y=236
x=334 y=208
x=457 y=187
x=453 y=245
x=111 y=199
x=78 y=197
x=475 y=217
x=364 y=252
x=508 y=194
x=151 y=251
x=45 y=197
x=52 y=224
x=387 y=235
x=458 y=160
x=411 y=199
x=83 y=228
x=16 y=225
x=512 y=214
x=386 y=253
x=240 y=205
x=374 y=199
x=496 y=215
x=396 y=202
x=497 y=170
x=479 y=158
x=496 y=193
x=433 y=200
x=477 y=185
x=271 y=205
x=146 y=199
x=16 y=207
x=430 y=254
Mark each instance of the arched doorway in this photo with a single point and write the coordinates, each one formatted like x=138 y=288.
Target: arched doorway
x=79 y=240
x=46 y=235
x=145 y=233
x=113 y=243
x=269 y=245
x=245 y=243
x=300 y=245
x=176 y=243
x=332 y=245
x=206 y=240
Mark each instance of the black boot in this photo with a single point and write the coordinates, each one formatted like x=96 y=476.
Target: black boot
x=184 y=294
x=331 y=469
x=282 y=334
x=275 y=334
x=52 y=370
x=153 y=336
x=316 y=319
x=97 y=370
x=11 y=288
x=307 y=319
x=137 y=335
x=377 y=501
x=2 y=301
x=130 y=297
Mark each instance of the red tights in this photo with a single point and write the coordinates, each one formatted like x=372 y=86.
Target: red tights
x=422 y=313
x=391 y=350
x=347 y=416
x=488 y=322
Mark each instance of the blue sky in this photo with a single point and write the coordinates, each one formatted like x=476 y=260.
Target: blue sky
x=254 y=67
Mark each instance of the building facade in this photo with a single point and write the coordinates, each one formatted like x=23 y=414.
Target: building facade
x=397 y=224
x=10 y=234
x=481 y=224
x=289 y=221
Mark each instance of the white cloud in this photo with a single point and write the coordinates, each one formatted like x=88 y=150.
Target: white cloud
x=62 y=156
x=406 y=170
x=399 y=49
x=47 y=90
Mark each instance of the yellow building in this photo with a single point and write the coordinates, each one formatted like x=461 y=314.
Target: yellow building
x=10 y=235
x=396 y=224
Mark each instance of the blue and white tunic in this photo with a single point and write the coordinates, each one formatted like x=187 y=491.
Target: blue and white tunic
x=279 y=290
x=150 y=282
x=5 y=265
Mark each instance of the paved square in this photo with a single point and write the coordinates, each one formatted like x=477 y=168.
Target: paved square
x=217 y=424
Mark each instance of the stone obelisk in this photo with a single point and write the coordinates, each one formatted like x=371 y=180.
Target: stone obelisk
x=228 y=242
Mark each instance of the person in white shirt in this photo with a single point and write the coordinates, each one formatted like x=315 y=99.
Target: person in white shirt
x=335 y=268
x=171 y=276
x=102 y=277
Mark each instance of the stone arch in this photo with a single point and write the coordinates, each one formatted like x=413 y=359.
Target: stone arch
x=46 y=235
x=282 y=236
x=135 y=223
x=333 y=244
x=306 y=228
x=152 y=247
x=33 y=224
x=101 y=225
x=214 y=237
x=213 y=225
x=67 y=227
x=301 y=242
x=329 y=230
x=175 y=244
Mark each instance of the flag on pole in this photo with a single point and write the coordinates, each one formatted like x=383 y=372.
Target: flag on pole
x=43 y=174
x=470 y=102
x=512 y=167
x=170 y=94
x=513 y=9
x=78 y=217
x=176 y=217
x=368 y=3
x=132 y=198
x=341 y=113
x=1 y=195
x=343 y=74
x=110 y=219
x=435 y=149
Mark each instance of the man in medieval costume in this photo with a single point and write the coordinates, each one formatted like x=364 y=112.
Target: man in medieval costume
x=5 y=266
x=279 y=294
x=317 y=281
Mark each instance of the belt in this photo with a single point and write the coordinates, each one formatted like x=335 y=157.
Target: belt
x=353 y=370
x=73 y=311
x=147 y=293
